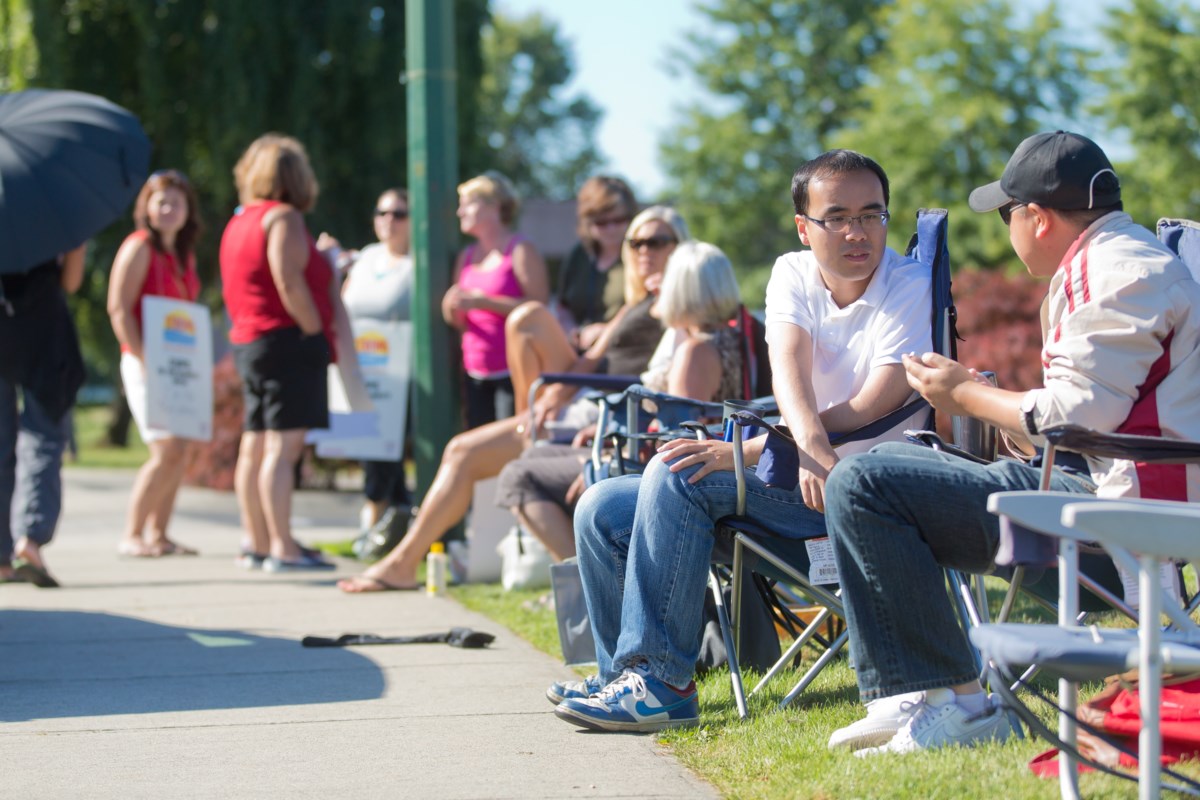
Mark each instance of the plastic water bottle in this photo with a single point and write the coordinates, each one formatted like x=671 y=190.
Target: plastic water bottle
x=435 y=570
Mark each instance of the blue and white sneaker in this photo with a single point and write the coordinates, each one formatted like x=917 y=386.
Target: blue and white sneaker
x=574 y=690
x=637 y=701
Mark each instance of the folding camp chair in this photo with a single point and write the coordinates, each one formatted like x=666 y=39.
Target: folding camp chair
x=765 y=551
x=1090 y=654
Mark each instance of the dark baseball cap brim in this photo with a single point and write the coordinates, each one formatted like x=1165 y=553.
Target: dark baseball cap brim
x=988 y=198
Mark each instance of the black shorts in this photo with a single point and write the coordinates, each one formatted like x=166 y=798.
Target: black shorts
x=284 y=380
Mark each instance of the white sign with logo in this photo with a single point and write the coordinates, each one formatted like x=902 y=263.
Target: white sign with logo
x=177 y=343
x=384 y=352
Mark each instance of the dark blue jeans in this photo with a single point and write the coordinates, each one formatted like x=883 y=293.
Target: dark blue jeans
x=896 y=516
x=31 y=447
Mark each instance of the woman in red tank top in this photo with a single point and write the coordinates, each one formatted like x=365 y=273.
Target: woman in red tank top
x=157 y=259
x=288 y=324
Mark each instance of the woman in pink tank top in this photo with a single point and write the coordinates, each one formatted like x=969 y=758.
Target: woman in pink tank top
x=493 y=276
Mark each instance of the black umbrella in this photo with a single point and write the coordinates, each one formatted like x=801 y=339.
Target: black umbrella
x=70 y=163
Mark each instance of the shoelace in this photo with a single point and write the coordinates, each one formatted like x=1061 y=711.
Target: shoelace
x=628 y=682
x=921 y=714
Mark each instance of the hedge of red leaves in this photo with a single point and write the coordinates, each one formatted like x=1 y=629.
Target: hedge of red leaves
x=211 y=464
x=999 y=322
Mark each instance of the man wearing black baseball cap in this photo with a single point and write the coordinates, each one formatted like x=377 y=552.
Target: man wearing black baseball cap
x=1121 y=353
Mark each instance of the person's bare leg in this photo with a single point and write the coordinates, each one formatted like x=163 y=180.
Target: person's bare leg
x=171 y=477
x=147 y=490
x=549 y=523
x=245 y=484
x=276 y=478
x=377 y=509
x=469 y=457
x=536 y=344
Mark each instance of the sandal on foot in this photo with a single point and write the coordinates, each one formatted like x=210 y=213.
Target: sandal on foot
x=134 y=549
x=31 y=573
x=365 y=584
x=169 y=548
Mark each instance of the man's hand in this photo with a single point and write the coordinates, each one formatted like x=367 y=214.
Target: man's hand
x=941 y=381
x=814 y=470
x=713 y=455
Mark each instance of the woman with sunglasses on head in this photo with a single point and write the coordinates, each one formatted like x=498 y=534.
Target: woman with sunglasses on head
x=481 y=453
x=379 y=286
x=538 y=344
x=493 y=276
x=156 y=260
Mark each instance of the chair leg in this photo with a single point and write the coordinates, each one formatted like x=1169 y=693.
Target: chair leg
x=799 y=642
x=816 y=668
x=1068 y=694
x=735 y=671
x=1150 y=680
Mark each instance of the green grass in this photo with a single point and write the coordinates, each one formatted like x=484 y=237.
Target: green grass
x=90 y=424
x=781 y=753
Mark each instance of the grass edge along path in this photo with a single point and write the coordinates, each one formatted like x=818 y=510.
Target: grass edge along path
x=782 y=753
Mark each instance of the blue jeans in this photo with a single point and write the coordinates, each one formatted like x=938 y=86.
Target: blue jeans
x=31 y=447
x=897 y=515
x=644 y=546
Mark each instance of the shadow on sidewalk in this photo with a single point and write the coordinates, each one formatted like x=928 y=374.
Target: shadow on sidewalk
x=56 y=664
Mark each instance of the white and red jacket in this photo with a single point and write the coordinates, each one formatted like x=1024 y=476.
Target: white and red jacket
x=1122 y=353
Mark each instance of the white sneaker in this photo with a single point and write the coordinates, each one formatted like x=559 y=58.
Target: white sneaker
x=946 y=724
x=885 y=717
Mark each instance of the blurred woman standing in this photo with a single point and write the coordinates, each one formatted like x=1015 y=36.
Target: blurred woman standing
x=288 y=324
x=156 y=260
x=493 y=276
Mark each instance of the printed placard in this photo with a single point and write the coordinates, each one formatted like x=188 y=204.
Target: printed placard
x=1168 y=577
x=822 y=568
x=177 y=347
x=384 y=351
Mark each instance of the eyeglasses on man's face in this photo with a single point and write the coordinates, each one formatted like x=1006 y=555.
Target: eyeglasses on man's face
x=394 y=213
x=1006 y=210
x=651 y=243
x=874 y=221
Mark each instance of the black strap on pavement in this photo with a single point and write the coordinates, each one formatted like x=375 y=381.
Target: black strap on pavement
x=455 y=637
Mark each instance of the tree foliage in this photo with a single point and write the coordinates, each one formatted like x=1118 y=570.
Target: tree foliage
x=1151 y=77
x=956 y=88
x=939 y=91
x=208 y=76
x=538 y=135
x=783 y=85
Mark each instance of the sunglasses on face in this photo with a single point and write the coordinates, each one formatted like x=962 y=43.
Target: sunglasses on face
x=1006 y=211
x=652 y=243
x=396 y=214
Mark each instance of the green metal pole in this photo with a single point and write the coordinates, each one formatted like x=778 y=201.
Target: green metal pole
x=432 y=177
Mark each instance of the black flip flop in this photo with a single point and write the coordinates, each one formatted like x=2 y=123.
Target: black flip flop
x=31 y=573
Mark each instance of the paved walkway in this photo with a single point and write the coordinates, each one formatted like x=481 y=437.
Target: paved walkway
x=184 y=677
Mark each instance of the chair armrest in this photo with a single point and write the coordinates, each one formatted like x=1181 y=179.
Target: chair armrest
x=1040 y=511
x=1147 y=449
x=1160 y=528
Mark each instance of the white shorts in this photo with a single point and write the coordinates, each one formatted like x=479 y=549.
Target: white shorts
x=133 y=376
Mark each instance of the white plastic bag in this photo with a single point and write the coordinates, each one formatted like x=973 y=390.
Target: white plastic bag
x=525 y=561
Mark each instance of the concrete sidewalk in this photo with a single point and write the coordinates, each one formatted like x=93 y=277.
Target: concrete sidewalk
x=184 y=677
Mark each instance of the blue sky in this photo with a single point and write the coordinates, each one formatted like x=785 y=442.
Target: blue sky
x=621 y=50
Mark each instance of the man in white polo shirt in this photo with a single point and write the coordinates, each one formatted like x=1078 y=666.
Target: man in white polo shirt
x=839 y=318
